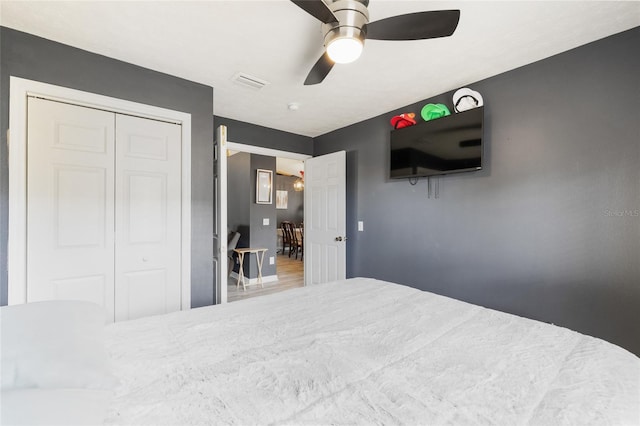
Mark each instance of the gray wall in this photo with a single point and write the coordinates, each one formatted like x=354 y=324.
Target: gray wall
x=238 y=207
x=245 y=215
x=27 y=56
x=238 y=188
x=541 y=231
x=295 y=205
x=263 y=235
x=252 y=134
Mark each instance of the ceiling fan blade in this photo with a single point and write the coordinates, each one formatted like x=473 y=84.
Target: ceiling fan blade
x=415 y=26
x=319 y=70
x=318 y=9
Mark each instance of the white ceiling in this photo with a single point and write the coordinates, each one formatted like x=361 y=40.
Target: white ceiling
x=289 y=167
x=210 y=41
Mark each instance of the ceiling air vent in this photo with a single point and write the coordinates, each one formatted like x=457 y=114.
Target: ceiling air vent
x=249 y=81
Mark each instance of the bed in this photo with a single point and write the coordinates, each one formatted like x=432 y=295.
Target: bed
x=363 y=351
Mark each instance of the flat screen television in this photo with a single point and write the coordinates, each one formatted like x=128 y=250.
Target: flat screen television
x=450 y=144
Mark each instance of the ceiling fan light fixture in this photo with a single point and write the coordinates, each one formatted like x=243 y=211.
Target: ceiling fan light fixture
x=345 y=25
x=343 y=50
x=344 y=39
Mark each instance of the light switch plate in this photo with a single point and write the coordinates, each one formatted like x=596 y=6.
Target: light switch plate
x=272 y=260
x=265 y=221
x=360 y=225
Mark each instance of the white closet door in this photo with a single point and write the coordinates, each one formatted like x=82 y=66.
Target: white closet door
x=70 y=195
x=148 y=227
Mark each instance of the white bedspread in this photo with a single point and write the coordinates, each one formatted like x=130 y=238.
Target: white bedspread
x=363 y=351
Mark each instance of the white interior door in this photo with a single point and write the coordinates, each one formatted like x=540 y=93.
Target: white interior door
x=325 y=218
x=70 y=195
x=147 y=220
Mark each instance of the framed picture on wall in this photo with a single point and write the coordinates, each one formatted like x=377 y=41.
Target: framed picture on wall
x=282 y=199
x=264 y=185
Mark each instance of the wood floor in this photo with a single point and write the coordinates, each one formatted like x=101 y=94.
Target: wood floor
x=290 y=275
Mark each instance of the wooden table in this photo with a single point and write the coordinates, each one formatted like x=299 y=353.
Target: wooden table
x=259 y=257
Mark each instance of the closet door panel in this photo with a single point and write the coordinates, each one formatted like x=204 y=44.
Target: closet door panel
x=148 y=217
x=70 y=203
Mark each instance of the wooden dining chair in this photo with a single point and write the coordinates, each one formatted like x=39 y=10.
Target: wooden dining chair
x=286 y=236
x=296 y=241
x=301 y=228
x=292 y=236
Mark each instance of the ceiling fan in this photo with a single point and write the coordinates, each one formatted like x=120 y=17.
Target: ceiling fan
x=345 y=24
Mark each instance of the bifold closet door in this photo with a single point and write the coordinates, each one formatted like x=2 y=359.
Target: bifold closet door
x=103 y=209
x=70 y=198
x=148 y=217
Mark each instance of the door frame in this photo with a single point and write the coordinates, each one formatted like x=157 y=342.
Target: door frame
x=20 y=89
x=224 y=145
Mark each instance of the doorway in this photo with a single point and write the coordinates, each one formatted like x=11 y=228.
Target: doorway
x=325 y=216
x=252 y=224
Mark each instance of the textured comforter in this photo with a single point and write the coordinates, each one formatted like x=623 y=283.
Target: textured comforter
x=363 y=351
